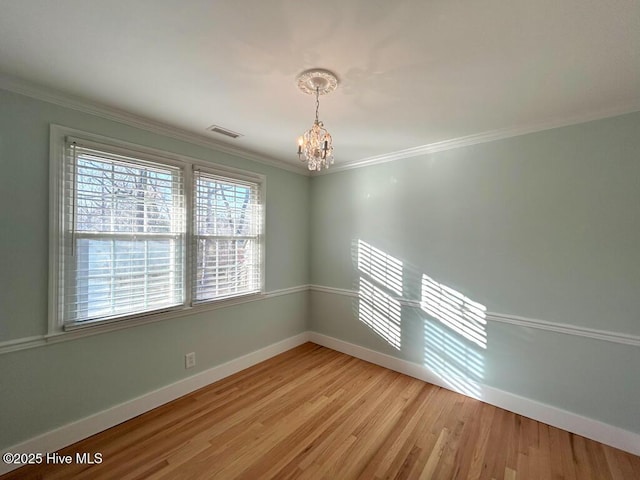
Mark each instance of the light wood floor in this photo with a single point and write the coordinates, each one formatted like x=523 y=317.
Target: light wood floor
x=316 y=413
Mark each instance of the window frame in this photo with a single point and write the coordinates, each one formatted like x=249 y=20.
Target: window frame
x=59 y=136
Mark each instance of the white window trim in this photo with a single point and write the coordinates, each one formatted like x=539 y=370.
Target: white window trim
x=57 y=139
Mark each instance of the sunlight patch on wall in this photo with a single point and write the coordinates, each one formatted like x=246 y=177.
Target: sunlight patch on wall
x=380 y=311
x=461 y=314
x=381 y=267
x=453 y=360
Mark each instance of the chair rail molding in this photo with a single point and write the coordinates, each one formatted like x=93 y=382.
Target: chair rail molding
x=514 y=320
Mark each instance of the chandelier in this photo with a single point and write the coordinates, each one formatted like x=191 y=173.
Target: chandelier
x=315 y=146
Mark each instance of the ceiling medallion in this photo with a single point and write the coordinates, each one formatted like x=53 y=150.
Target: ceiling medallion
x=315 y=146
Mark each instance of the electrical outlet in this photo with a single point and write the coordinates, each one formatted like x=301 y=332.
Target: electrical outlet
x=190 y=360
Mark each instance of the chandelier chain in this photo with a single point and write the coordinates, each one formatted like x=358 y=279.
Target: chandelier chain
x=317 y=102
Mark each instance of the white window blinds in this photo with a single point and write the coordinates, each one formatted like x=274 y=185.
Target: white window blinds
x=227 y=230
x=124 y=235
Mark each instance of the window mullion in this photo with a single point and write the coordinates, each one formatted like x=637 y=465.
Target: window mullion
x=189 y=241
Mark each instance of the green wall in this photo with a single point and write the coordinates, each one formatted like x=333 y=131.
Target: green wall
x=45 y=387
x=543 y=226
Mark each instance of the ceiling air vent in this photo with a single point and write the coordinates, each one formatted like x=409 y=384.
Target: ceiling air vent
x=224 y=131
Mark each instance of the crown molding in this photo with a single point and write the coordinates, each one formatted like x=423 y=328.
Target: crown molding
x=484 y=137
x=50 y=95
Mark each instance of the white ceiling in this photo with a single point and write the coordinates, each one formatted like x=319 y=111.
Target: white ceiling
x=412 y=72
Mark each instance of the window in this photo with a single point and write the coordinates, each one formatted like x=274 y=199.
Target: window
x=226 y=237
x=125 y=229
x=137 y=232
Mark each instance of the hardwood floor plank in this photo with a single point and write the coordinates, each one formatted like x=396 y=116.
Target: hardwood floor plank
x=464 y=455
x=352 y=424
x=434 y=455
x=583 y=470
x=478 y=461
x=313 y=413
x=568 y=455
x=345 y=421
x=493 y=466
x=598 y=461
x=447 y=465
x=543 y=465
x=398 y=452
x=620 y=464
x=371 y=434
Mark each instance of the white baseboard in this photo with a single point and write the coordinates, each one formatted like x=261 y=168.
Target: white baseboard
x=66 y=435
x=571 y=422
